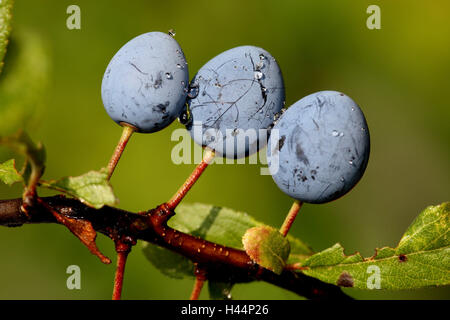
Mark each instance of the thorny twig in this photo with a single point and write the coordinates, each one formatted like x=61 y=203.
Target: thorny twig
x=221 y=263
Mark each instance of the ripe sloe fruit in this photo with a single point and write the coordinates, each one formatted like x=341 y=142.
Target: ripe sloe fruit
x=145 y=84
x=323 y=147
x=240 y=89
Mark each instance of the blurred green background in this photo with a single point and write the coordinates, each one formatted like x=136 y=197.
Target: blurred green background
x=399 y=75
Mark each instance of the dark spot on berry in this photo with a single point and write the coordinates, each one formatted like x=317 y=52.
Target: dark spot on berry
x=281 y=142
x=279 y=145
x=162 y=107
x=301 y=155
x=158 y=82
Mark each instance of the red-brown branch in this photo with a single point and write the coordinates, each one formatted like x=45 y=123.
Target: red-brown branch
x=200 y=278
x=122 y=249
x=221 y=263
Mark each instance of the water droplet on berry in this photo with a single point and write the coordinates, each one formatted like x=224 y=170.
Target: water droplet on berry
x=258 y=75
x=193 y=91
x=169 y=75
x=259 y=65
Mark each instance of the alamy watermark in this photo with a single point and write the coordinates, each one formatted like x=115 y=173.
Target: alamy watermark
x=74 y=280
x=374 y=280
x=374 y=20
x=73 y=21
x=236 y=146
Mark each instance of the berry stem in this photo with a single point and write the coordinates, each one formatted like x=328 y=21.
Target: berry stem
x=200 y=278
x=127 y=132
x=195 y=175
x=122 y=250
x=292 y=214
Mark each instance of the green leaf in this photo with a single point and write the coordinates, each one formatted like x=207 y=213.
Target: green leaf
x=429 y=231
x=219 y=290
x=9 y=173
x=267 y=247
x=35 y=154
x=216 y=224
x=169 y=263
x=92 y=188
x=222 y=225
x=421 y=259
x=5 y=27
x=24 y=83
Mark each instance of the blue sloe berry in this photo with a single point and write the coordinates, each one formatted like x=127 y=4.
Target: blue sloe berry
x=232 y=97
x=145 y=84
x=322 y=147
